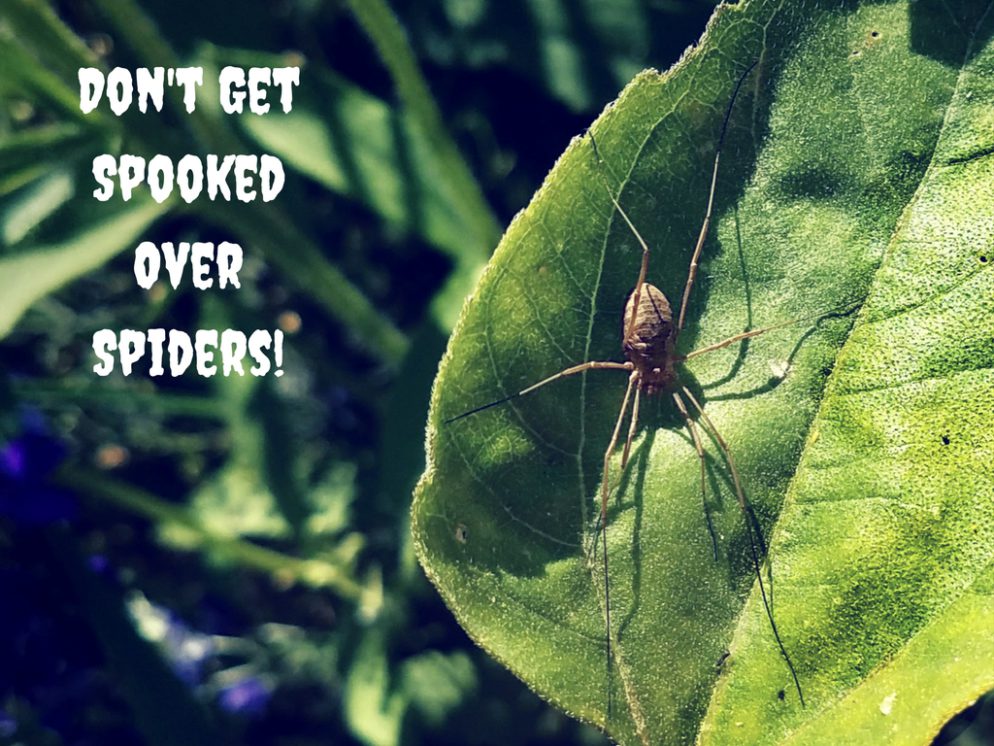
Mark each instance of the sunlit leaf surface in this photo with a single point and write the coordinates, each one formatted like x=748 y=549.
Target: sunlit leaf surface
x=856 y=173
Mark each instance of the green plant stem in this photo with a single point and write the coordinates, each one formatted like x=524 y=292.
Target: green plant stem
x=387 y=35
x=317 y=573
x=80 y=393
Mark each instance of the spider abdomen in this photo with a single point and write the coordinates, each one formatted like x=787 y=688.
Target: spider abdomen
x=649 y=338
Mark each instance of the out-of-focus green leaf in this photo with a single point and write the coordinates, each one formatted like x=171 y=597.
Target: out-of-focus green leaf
x=373 y=711
x=378 y=21
x=24 y=76
x=857 y=168
x=358 y=145
x=328 y=571
x=33 y=273
x=437 y=684
x=36 y=25
x=582 y=52
x=29 y=207
x=28 y=155
x=262 y=490
x=382 y=705
x=402 y=437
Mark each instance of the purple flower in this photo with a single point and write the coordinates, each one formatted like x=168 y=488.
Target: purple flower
x=8 y=726
x=26 y=462
x=247 y=696
x=98 y=563
x=186 y=649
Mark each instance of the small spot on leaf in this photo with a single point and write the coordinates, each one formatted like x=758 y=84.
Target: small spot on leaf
x=945 y=440
x=720 y=663
x=887 y=704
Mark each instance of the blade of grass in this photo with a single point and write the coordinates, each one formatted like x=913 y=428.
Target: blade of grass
x=30 y=275
x=390 y=41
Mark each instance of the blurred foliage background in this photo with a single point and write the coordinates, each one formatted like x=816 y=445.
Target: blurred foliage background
x=221 y=560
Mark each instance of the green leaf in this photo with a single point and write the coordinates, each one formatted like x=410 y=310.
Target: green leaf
x=25 y=77
x=387 y=705
x=31 y=274
x=29 y=207
x=580 y=52
x=26 y=156
x=356 y=144
x=359 y=146
x=373 y=711
x=856 y=170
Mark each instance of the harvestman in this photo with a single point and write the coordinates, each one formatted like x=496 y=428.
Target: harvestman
x=649 y=341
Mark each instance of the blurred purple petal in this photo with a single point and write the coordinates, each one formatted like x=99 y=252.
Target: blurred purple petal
x=248 y=696
x=186 y=649
x=25 y=464
x=98 y=563
x=8 y=726
x=12 y=459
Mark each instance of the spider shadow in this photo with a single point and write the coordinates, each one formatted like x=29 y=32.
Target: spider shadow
x=639 y=467
x=720 y=486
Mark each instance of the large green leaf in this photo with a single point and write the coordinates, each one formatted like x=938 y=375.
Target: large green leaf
x=29 y=275
x=856 y=170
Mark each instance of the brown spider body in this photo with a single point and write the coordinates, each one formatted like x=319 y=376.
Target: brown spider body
x=649 y=339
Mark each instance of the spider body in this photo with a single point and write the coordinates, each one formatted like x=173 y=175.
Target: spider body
x=649 y=339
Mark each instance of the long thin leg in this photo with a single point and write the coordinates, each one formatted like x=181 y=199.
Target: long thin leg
x=631 y=428
x=692 y=427
x=605 y=491
x=603 y=514
x=840 y=311
x=571 y=371
x=644 y=269
x=624 y=459
x=740 y=495
x=702 y=236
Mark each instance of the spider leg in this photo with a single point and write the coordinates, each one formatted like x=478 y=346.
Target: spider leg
x=699 y=447
x=709 y=426
x=571 y=371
